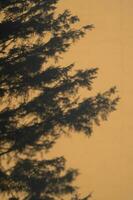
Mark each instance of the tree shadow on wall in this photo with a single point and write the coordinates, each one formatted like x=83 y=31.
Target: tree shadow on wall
x=57 y=107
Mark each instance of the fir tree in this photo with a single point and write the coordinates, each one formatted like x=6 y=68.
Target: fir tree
x=41 y=101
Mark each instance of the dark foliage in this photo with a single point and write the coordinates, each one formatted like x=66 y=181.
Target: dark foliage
x=40 y=179
x=44 y=99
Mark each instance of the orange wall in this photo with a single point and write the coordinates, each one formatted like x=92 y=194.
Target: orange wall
x=106 y=159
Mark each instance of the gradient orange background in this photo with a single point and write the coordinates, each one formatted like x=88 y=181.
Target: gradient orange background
x=105 y=159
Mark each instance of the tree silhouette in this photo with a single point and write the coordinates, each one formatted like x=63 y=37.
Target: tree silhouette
x=41 y=101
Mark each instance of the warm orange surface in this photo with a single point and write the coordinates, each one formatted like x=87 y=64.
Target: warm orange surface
x=106 y=159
